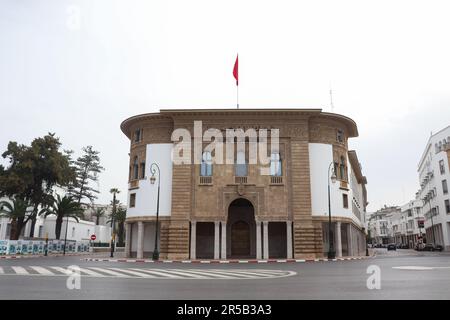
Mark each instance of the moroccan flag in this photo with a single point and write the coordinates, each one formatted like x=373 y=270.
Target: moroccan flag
x=235 y=70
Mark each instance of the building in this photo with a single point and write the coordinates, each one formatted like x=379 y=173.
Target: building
x=380 y=225
x=77 y=231
x=407 y=225
x=276 y=207
x=434 y=177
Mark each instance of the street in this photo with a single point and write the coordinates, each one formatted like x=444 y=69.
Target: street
x=405 y=274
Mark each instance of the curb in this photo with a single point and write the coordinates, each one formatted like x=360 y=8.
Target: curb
x=226 y=261
x=38 y=256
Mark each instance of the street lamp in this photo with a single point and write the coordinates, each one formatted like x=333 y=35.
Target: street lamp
x=331 y=252
x=153 y=168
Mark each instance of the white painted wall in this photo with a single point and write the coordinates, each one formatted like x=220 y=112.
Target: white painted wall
x=320 y=157
x=146 y=194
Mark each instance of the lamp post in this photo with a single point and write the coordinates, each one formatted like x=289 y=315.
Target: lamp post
x=331 y=252
x=153 y=168
x=65 y=236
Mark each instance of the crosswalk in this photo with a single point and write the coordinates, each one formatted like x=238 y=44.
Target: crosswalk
x=147 y=273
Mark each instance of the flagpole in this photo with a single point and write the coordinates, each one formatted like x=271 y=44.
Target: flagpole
x=237 y=96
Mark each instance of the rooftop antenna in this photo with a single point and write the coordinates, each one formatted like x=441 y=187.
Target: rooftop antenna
x=331 y=99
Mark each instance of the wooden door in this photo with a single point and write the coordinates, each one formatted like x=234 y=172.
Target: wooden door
x=240 y=239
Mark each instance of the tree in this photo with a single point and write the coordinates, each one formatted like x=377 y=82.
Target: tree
x=98 y=213
x=87 y=168
x=34 y=171
x=16 y=211
x=65 y=207
x=115 y=202
x=119 y=219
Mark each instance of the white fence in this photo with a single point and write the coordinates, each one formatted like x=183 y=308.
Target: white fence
x=38 y=247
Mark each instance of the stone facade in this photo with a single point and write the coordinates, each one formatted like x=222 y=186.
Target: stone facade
x=201 y=207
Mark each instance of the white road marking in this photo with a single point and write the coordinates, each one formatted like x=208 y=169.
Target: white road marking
x=418 y=268
x=20 y=270
x=62 y=270
x=186 y=273
x=1 y=270
x=110 y=272
x=160 y=272
x=42 y=271
x=134 y=273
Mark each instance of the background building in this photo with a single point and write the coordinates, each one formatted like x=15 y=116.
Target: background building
x=223 y=211
x=434 y=177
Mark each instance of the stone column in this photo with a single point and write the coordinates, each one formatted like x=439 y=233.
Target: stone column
x=266 y=239
x=338 y=240
x=350 y=239
x=223 y=249
x=193 y=239
x=289 y=239
x=258 y=240
x=127 y=240
x=216 y=240
x=140 y=240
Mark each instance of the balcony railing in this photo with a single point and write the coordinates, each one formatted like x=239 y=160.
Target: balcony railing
x=134 y=184
x=206 y=180
x=240 y=180
x=276 y=180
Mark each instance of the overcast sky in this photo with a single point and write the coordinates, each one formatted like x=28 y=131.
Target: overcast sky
x=78 y=68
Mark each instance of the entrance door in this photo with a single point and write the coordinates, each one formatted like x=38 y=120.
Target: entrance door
x=240 y=239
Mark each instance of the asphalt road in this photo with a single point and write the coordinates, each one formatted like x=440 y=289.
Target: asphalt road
x=404 y=274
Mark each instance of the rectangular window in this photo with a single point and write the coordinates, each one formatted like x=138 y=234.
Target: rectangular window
x=275 y=164
x=345 y=200
x=138 y=135
x=447 y=206
x=340 y=136
x=132 y=200
x=206 y=165
x=444 y=186
x=142 y=170
x=441 y=167
x=41 y=229
x=241 y=165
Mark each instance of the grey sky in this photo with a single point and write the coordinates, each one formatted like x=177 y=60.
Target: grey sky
x=388 y=63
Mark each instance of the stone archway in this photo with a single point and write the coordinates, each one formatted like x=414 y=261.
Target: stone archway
x=241 y=229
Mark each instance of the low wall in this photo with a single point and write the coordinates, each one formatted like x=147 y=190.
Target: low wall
x=37 y=247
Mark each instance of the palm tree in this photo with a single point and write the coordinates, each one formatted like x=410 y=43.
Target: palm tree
x=98 y=213
x=16 y=211
x=119 y=219
x=64 y=207
x=114 y=191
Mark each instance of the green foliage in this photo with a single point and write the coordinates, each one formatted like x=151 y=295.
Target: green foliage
x=65 y=207
x=16 y=211
x=33 y=172
x=87 y=168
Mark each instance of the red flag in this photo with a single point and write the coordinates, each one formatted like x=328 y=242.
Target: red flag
x=235 y=70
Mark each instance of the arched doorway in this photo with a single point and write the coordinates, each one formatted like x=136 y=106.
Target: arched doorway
x=241 y=233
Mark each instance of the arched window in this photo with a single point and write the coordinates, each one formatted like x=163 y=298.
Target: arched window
x=206 y=165
x=342 y=169
x=275 y=164
x=241 y=164
x=135 y=168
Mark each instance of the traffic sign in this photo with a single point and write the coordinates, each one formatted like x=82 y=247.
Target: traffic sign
x=93 y=237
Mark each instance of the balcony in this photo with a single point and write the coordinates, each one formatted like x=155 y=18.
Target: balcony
x=205 y=180
x=133 y=184
x=240 y=180
x=276 y=180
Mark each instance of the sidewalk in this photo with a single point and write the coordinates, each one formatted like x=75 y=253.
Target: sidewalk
x=107 y=259
x=41 y=255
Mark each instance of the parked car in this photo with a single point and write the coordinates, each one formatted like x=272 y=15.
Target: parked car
x=404 y=246
x=428 y=247
x=391 y=246
x=438 y=247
